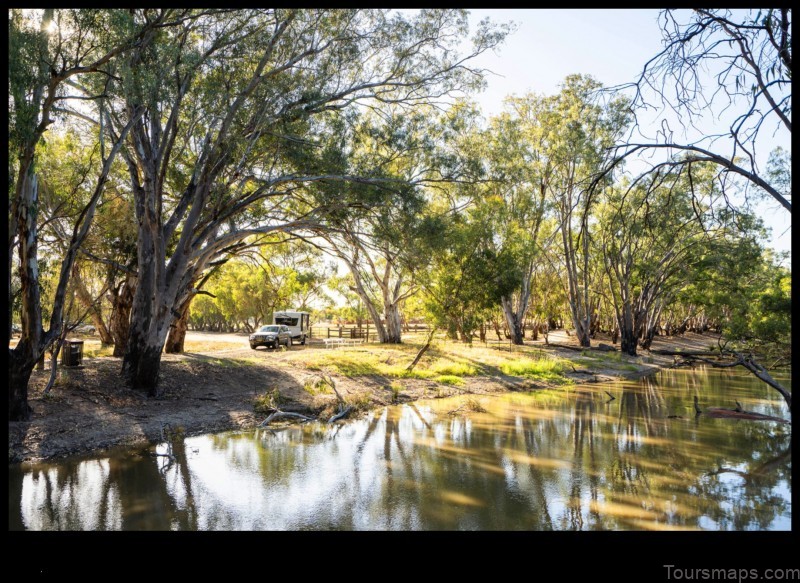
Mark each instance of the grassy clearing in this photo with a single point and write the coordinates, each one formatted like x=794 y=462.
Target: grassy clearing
x=384 y=361
x=446 y=363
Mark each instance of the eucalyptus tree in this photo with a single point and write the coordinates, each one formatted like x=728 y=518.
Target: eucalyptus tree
x=579 y=127
x=729 y=69
x=657 y=237
x=466 y=273
x=50 y=51
x=518 y=173
x=378 y=277
x=375 y=239
x=226 y=97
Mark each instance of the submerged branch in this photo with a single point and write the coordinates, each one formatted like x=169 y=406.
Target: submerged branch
x=747 y=361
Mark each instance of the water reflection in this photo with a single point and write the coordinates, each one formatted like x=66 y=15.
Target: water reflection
x=563 y=460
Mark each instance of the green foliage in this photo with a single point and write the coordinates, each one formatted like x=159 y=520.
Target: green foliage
x=468 y=275
x=762 y=318
x=278 y=275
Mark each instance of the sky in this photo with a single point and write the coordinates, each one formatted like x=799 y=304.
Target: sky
x=610 y=44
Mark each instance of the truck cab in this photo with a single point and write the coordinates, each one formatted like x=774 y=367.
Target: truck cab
x=299 y=324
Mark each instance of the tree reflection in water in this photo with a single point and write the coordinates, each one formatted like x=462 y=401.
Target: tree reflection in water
x=564 y=460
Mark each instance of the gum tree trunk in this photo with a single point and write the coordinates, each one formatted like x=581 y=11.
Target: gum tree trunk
x=121 y=304
x=177 y=331
x=513 y=320
x=394 y=329
x=21 y=365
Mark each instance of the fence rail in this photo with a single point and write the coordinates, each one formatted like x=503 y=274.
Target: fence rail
x=344 y=332
x=366 y=333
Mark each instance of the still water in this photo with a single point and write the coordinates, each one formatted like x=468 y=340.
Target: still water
x=568 y=459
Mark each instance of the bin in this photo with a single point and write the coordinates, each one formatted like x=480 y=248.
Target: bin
x=72 y=353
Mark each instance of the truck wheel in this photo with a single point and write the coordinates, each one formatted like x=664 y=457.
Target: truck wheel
x=289 y=342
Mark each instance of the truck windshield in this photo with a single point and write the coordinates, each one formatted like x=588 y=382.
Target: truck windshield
x=269 y=329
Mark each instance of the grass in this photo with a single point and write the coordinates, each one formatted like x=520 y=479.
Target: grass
x=395 y=388
x=549 y=369
x=444 y=363
x=361 y=402
x=268 y=401
x=454 y=369
x=389 y=362
x=317 y=387
x=449 y=380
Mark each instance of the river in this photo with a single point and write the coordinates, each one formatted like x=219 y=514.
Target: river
x=568 y=459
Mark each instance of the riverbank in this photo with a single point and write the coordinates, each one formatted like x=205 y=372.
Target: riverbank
x=220 y=384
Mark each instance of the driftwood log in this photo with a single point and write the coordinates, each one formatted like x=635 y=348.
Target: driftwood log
x=278 y=414
x=737 y=413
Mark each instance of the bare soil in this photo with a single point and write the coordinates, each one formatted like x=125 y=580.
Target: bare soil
x=91 y=408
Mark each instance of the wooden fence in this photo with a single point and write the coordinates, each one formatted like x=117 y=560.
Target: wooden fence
x=366 y=333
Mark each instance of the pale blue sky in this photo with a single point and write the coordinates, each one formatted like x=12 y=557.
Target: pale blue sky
x=610 y=44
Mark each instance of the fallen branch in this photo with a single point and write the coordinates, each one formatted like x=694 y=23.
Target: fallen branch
x=738 y=413
x=748 y=362
x=422 y=350
x=342 y=413
x=278 y=414
x=610 y=395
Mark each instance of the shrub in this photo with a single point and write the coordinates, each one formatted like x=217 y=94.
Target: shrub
x=268 y=401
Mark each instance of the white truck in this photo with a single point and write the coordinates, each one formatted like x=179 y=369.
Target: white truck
x=299 y=324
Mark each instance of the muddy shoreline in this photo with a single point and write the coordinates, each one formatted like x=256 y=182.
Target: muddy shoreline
x=91 y=409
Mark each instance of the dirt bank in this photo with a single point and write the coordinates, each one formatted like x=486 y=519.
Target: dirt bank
x=214 y=389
